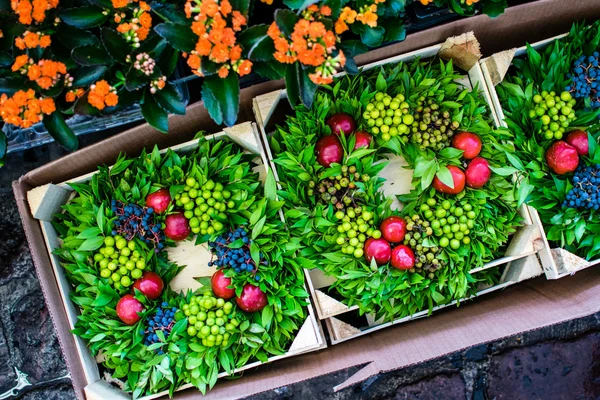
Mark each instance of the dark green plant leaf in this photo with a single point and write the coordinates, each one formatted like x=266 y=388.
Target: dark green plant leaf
x=168 y=98
x=6 y=59
x=243 y=6
x=3 y=148
x=168 y=61
x=179 y=36
x=154 y=114
x=299 y=4
x=91 y=55
x=353 y=48
x=256 y=44
x=11 y=85
x=135 y=80
x=494 y=8
x=84 y=17
x=72 y=37
x=116 y=45
x=394 y=30
x=85 y=76
x=221 y=98
x=286 y=20
x=60 y=131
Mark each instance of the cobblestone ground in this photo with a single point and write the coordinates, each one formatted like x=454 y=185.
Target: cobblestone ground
x=558 y=362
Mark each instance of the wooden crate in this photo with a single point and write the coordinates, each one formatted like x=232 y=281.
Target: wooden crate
x=520 y=261
x=557 y=262
x=46 y=201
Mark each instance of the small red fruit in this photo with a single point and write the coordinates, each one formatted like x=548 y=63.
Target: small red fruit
x=393 y=229
x=150 y=284
x=341 y=122
x=159 y=200
x=458 y=177
x=329 y=150
x=478 y=173
x=579 y=140
x=363 y=139
x=469 y=142
x=403 y=257
x=562 y=158
x=379 y=249
x=219 y=283
x=128 y=308
x=252 y=299
x=177 y=226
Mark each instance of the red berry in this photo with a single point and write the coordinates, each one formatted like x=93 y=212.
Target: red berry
x=403 y=257
x=159 y=200
x=252 y=299
x=150 y=284
x=393 y=229
x=478 y=173
x=562 y=158
x=469 y=142
x=329 y=150
x=379 y=249
x=220 y=283
x=363 y=139
x=341 y=122
x=458 y=177
x=579 y=140
x=177 y=226
x=128 y=308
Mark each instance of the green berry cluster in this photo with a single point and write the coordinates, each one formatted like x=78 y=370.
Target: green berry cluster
x=451 y=223
x=211 y=319
x=356 y=226
x=426 y=255
x=554 y=111
x=432 y=128
x=120 y=262
x=205 y=205
x=388 y=116
x=340 y=190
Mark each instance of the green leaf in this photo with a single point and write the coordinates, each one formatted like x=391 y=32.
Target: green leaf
x=60 y=131
x=372 y=37
x=168 y=98
x=270 y=186
x=73 y=37
x=395 y=30
x=381 y=83
x=494 y=8
x=11 y=85
x=451 y=153
x=86 y=76
x=91 y=244
x=286 y=20
x=3 y=148
x=84 y=17
x=504 y=171
x=89 y=233
x=102 y=300
x=116 y=45
x=5 y=59
x=154 y=114
x=291 y=85
x=592 y=146
x=256 y=44
x=179 y=36
x=257 y=229
x=306 y=87
x=445 y=176
x=514 y=160
x=221 y=98
x=91 y=55
x=428 y=176
x=299 y=4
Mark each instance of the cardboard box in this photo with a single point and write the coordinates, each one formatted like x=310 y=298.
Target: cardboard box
x=520 y=261
x=557 y=262
x=520 y=308
x=46 y=201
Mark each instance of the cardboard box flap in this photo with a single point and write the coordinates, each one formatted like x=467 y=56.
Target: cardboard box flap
x=464 y=50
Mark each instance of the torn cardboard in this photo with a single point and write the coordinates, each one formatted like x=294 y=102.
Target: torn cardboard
x=464 y=50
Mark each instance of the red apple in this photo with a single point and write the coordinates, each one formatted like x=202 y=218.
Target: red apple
x=562 y=158
x=252 y=298
x=219 y=283
x=341 y=122
x=329 y=150
x=379 y=249
x=177 y=226
x=478 y=173
x=150 y=284
x=458 y=177
x=159 y=200
x=579 y=140
x=469 y=142
x=403 y=257
x=363 y=139
x=128 y=308
x=393 y=229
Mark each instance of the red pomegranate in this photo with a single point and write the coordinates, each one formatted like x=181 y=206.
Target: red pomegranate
x=459 y=181
x=341 y=122
x=393 y=229
x=177 y=226
x=252 y=298
x=363 y=139
x=159 y=200
x=579 y=140
x=562 y=158
x=329 y=150
x=128 y=308
x=469 y=142
x=150 y=284
x=478 y=173
x=403 y=257
x=220 y=283
x=379 y=249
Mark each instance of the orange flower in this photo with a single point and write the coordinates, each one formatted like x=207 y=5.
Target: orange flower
x=319 y=79
x=20 y=43
x=96 y=100
x=209 y=7
x=194 y=61
x=326 y=11
x=225 y=7
x=144 y=6
x=143 y=33
x=188 y=9
x=369 y=17
x=244 y=68
x=267 y=2
x=219 y=53
x=21 y=97
x=123 y=28
x=120 y=3
x=101 y=87
x=23 y=109
x=316 y=30
x=45 y=41
x=235 y=53
x=198 y=28
x=111 y=99
x=44 y=82
x=203 y=47
x=223 y=72
x=20 y=61
x=102 y=94
x=48 y=106
x=238 y=21
x=34 y=72
x=23 y=9
x=146 y=20
x=70 y=96
x=31 y=40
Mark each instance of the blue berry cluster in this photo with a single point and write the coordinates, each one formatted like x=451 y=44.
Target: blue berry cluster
x=136 y=220
x=237 y=258
x=163 y=320
x=586 y=79
x=586 y=190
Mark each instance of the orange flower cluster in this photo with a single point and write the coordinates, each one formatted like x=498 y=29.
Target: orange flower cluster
x=311 y=44
x=74 y=94
x=23 y=109
x=31 y=40
x=45 y=73
x=138 y=28
x=366 y=14
x=102 y=95
x=426 y=2
x=215 y=24
x=34 y=10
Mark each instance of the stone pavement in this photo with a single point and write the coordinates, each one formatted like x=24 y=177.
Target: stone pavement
x=557 y=362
